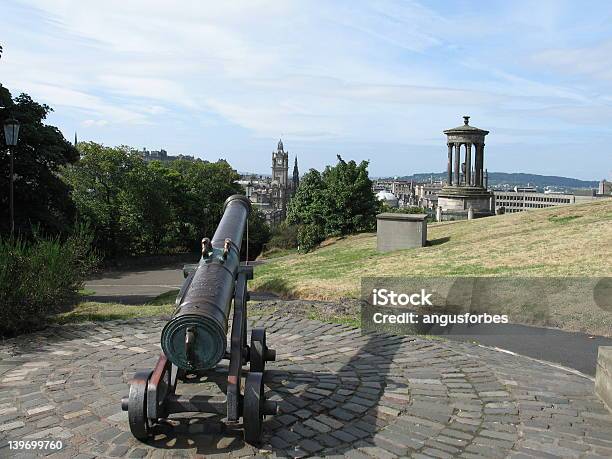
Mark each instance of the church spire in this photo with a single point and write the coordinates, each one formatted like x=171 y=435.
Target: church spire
x=75 y=139
x=296 y=174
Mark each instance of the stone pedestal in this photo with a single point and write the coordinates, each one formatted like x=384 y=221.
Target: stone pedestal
x=400 y=231
x=463 y=197
x=603 y=378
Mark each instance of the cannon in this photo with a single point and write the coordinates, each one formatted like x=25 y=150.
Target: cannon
x=194 y=340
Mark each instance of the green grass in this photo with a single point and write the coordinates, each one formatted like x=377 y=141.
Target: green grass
x=90 y=311
x=165 y=298
x=277 y=253
x=564 y=241
x=562 y=220
x=101 y=312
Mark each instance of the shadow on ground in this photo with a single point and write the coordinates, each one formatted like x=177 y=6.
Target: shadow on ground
x=438 y=241
x=321 y=412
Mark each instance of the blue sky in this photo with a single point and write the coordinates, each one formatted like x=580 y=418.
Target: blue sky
x=377 y=80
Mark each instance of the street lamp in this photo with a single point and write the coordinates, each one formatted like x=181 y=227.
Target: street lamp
x=11 y=133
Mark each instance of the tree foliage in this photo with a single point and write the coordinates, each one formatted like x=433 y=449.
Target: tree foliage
x=258 y=235
x=283 y=236
x=136 y=207
x=336 y=202
x=41 y=198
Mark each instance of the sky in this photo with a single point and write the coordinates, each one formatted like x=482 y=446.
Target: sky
x=374 y=80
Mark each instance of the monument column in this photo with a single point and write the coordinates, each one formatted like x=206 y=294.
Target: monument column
x=449 y=167
x=477 y=165
x=457 y=165
x=468 y=164
x=482 y=164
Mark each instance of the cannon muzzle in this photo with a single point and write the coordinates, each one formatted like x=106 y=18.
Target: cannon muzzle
x=195 y=338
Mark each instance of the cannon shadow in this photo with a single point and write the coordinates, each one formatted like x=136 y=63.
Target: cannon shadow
x=330 y=405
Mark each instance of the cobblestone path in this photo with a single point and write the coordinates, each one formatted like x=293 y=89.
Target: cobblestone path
x=341 y=392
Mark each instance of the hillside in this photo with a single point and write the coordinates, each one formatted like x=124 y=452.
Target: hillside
x=560 y=241
x=516 y=179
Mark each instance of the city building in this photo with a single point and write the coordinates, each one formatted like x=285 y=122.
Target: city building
x=605 y=188
x=408 y=193
x=520 y=200
x=271 y=194
x=388 y=198
x=160 y=155
x=426 y=194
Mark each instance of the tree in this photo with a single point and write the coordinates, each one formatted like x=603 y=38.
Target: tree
x=41 y=198
x=204 y=188
x=101 y=190
x=137 y=208
x=259 y=234
x=337 y=202
x=351 y=203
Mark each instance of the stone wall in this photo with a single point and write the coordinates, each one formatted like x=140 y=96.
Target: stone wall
x=603 y=379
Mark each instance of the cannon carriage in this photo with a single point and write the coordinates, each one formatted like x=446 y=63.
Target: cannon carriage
x=194 y=340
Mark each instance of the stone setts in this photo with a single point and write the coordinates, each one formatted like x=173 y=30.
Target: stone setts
x=342 y=393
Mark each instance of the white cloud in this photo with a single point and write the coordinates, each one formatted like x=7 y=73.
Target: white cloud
x=342 y=71
x=89 y=123
x=594 y=61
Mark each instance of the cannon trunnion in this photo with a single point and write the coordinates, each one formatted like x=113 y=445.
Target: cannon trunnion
x=195 y=340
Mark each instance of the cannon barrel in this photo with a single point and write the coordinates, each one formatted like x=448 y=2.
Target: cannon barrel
x=195 y=338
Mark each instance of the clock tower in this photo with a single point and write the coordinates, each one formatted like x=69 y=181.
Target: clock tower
x=280 y=178
x=280 y=165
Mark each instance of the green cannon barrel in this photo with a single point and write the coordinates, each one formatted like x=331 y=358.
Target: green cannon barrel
x=195 y=338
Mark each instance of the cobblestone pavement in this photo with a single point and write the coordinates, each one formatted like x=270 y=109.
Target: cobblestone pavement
x=342 y=393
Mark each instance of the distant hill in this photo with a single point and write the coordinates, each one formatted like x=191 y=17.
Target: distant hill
x=516 y=179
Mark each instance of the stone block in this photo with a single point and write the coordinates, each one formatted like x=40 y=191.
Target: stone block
x=400 y=231
x=603 y=378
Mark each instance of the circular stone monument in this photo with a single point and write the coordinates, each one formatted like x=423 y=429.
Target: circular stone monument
x=466 y=184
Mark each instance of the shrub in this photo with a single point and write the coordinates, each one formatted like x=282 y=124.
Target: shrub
x=40 y=277
x=310 y=236
x=284 y=236
x=404 y=210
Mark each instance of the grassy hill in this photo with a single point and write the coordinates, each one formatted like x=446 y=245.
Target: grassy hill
x=573 y=240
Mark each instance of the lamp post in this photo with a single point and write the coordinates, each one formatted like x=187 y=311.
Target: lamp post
x=11 y=133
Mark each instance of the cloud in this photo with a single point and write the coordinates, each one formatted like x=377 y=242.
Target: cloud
x=344 y=73
x=593 y=61
x=89 y=123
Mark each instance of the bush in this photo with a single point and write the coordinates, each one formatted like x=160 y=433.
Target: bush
x=39 y=278
x=310 y=236
x=284 y=236
x=404 y=210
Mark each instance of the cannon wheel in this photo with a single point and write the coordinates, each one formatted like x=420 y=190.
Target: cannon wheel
x=137 y=405
x=257 y=353
x=253 y=411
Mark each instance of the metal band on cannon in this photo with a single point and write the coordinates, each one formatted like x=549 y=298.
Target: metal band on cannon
x=195 y=338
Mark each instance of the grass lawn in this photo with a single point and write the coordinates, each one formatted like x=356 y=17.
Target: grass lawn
x=572 y=240
x=90 y=311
